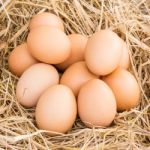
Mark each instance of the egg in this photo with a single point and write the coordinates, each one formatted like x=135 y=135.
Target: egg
x=96 y=104
x=78 y=44
x=125 y=89
x=49 y=45
x=103 y=52
x=34 y=81
x=46 y=19
x=56 y=109
x=125 y=60
x=76 y=75
x=20 y=59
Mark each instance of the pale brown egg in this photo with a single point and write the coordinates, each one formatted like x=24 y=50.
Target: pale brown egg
x=34 y=81
x=49 y=45
x=103 y=52
x=20 y=59
x=125 y=88
x=78 y=44
x=76 y=75
x=96 y=104
x=125 y=60
x=56 y=109
x=46 y=19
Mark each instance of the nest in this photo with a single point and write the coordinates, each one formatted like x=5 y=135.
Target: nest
x=130 y=19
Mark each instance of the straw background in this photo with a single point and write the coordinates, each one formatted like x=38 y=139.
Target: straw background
x=131 y=20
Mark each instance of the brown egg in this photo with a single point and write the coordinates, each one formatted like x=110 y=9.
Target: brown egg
x=125 y=88
x=56 y=109
x=34 y=81
x=103 y=52
x=49 y=45
x=20 y=59
x=47 y=19
x=125 y=60
x=76 y=75
x=96 y=104
x=78 y=44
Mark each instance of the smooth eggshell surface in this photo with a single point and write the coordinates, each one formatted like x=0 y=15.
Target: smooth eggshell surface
x=46 y=19
x=96 y=104
x=20 y=59
x=125 y=60
x=49 y=45
x=34 y=81
x=56 y=109
x=103 y=52
x=125 y=88
x=76 y=75
x=78 y=44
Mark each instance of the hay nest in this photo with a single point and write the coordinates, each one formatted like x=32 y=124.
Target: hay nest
x=130 y=19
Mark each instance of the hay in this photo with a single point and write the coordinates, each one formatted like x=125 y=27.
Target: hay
x=130 y=19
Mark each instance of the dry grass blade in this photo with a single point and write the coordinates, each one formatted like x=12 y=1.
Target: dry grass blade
x=130 y=19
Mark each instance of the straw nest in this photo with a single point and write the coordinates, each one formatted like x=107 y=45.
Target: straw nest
x=130 y=19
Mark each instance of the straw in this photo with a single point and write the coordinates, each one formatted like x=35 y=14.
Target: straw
x=130 y=20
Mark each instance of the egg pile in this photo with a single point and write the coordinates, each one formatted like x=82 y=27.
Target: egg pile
x=65 y=76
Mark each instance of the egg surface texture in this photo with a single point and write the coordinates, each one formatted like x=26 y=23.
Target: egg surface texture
x=46 y=19
x=56 y=109
x=76 y=75
x=20 y=59
x=103 y=52
x=96 y=104
x=78 y=44
x=125 y=89
x=125 y=60
x=34 y=81
x=49 y=45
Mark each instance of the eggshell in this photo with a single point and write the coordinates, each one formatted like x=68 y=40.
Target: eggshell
x=125 y=88
x=34 y=81
x=76 y=75
x=78 y=44
x=103 y=52
x=20 y=59
x=125 y=60
x=56 y=109
x=47 y=19
x=49 y=45
x=96 y=104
